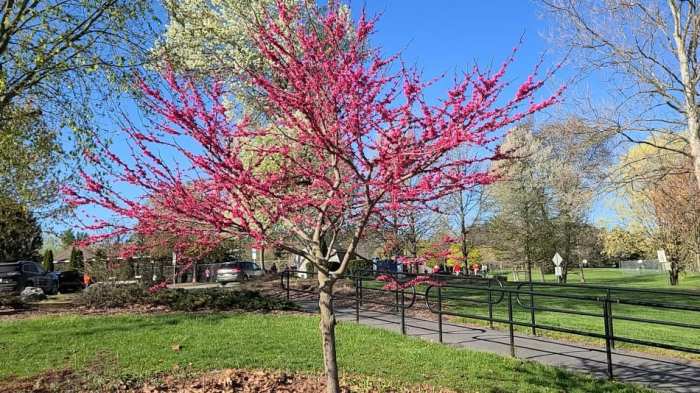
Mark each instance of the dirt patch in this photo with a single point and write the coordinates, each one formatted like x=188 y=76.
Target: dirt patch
x=47 y=382
x=224 y=381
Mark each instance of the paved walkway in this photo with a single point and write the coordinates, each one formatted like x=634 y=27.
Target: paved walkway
x=662 y=374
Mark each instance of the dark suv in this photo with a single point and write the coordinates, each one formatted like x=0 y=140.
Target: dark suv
x=69 y=281
x=16 y=276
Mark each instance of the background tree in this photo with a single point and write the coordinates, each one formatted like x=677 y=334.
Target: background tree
x=662 y=208
x=676 y=204
x=29 y=153
x=76 y=261
x=57 y=54
x=69 y=237
x=542 y=204
x=578 y=160
x=621 y=244
x=48 y=261
x=20 y=233
x=359 y=135
x=61 y=64
x=648 y=52
x=522 y=220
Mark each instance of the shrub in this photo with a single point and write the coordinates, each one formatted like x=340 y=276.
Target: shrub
x=114 y=296
x=111 y=296
x=359 y=265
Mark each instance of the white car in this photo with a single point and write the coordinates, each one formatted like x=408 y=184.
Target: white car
x=237 y=271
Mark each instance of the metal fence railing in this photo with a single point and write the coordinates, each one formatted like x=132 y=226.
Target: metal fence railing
x=519 y=304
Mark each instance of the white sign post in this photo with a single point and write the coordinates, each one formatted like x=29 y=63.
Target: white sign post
x=254 y=254
x=558 y=271
x=663 y=261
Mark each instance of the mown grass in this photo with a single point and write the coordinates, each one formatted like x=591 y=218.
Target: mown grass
x=142 y=347
x=679 y=336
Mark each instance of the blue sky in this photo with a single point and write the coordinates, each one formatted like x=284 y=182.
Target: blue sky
x=450 y=36
x=447 y=36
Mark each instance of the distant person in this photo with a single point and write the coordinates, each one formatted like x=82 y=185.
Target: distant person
x=457 y=269
x=436 y=269
x=273 y=268
x=87 y=280
x=475 y=268
x=207 y=275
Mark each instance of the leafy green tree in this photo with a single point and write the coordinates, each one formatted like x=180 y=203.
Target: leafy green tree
x=29 y=153
x=48 y=261
x=20 y=233
x=61 y=54
x=624 y=244
x=68 y=237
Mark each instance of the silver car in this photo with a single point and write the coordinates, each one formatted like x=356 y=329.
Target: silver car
x=237 y=271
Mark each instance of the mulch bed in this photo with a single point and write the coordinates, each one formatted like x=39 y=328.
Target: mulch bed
x=224 y=381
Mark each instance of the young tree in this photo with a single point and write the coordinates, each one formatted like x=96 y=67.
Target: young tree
x=351 y=134
x=48 y=261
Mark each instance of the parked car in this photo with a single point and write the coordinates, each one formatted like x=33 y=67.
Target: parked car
x=237 y=271
x=16 y=276
x=69 y=281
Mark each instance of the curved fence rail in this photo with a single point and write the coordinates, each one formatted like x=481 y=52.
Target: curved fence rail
x=465 y=297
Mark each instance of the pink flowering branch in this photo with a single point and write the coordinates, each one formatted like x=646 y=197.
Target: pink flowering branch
x=347 y=137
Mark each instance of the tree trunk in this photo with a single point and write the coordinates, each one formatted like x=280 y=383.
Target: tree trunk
x=695 y=151
x=327 y=325
x=674 y=273
x=262 y=258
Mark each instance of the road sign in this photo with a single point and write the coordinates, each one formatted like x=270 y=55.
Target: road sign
x=557 y=260
x=663 y=261
x=662 y=255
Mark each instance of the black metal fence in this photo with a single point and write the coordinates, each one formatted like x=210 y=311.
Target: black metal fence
x=462 y=297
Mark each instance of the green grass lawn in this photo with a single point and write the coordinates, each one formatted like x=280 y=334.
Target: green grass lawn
x=141 y=347
x=679 y=336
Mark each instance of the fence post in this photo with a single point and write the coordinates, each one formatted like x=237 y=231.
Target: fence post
x=532 y=310
x=608 y=349
x=287 y=279
x=510 y=323
x=610 y=319
x=358 y=282
x=361 y=302
x=403 y=314
x=490 y=306
x=439 y=314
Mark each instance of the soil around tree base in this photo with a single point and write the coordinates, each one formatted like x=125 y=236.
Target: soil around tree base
x=222 y=381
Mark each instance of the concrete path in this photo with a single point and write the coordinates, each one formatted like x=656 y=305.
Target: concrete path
x=662 y=374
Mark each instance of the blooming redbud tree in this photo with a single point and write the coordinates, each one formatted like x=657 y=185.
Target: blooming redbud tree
x=347 y=136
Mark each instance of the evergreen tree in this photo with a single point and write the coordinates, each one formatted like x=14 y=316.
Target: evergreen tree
x=76 y=259
x=48 y=261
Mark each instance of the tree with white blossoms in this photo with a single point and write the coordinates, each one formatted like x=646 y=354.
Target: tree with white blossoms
x=521 y=201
